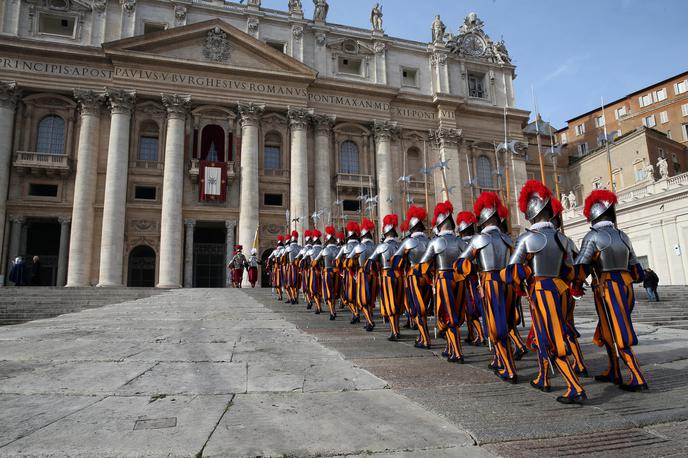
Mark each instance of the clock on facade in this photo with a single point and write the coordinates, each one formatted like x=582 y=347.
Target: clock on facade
x=473 y=45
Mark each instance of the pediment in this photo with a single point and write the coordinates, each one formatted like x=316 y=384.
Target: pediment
x=350 y=46
x=211 y=43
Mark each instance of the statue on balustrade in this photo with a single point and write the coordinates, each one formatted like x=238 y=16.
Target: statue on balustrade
x=573 y=201
x=663 y=167
x=321 y=9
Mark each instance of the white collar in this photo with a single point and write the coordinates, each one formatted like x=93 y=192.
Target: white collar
x=489 y=229
x=541 y=225
x=446 y=231
x=602 y=224
x=418 y=234
x=391 y=239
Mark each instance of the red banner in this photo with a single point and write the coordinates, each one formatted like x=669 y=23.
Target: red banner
x=212 y=184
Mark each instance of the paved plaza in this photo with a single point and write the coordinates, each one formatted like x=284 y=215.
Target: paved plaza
x=235 y=373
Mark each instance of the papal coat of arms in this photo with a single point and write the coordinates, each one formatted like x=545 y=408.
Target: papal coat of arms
x=216 y=46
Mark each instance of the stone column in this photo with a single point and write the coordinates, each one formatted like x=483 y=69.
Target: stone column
x=447 y=140
x=323 y=179
x=114 y=210
x=9 y=96
x=299 y=119
x=81 y=236
x=229 y=249
x=64 y=250
x=172 y=192
x=190 y=224
x=17 y=223
x=384 y=132
x=249 y=204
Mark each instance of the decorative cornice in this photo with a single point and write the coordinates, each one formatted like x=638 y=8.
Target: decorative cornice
x=121 y=101
x=445 y=136
x=9 y=94
x=323 y=123
x=128 y=6
x=385 y=130
x=180 y=14
x=90 y=102
x=250 y=113
x=299 y=118
x=297 y=32
x=177 y=105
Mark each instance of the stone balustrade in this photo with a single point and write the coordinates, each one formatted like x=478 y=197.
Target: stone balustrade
x=27 y=162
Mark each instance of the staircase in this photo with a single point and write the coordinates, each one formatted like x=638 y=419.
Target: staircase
x=19 y=305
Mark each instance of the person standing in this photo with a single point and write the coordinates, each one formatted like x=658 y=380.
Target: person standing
x=253 y=263
x=324 y=262
x=473 y=308
x=650 y=284
x=291 y=272
x=18 y=272
x=391 y=286
x=237 y=265
x=313 y=271
x=36 y=271
x=366 y=277
x=348 y=291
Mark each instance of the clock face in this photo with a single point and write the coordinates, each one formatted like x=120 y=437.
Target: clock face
x=473 y=45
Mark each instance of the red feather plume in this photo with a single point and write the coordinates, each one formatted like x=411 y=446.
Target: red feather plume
x=486 y=200
x=340 y=236
x=330 y=230
x=502 y=211
x=308 y=233
x=465 y=217
x=391 y=220
x=416 y=212
x=317 y=234
x=442 y=208
x=280 y=238
x=353 y=227
x=557 y=207
x=599 y=195
x=294 y=234
x=404 y=226
x=532 y=187
x=367 y=225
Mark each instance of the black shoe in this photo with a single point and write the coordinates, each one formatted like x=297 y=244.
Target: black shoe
x=607 y=379
x=393 y=338
x=634 y=388
x=575 y=399
x=309 y=306
x=513 y=380
x=544 y=389
x=369 y=328
x=353 y=320
x=520 y=353
x=583 y=373
x=420 y=345
x=332 y=317
x=317 y=312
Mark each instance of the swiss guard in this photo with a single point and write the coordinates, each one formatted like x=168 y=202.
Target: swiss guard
x=490 y=250
x=325 y=262
x=391 y=285
x=407 y=260
x=607 y=254
x=348 y=292
x=237 y=266
x=303 y=268
x=291 y=273
x=314 y=274
x=541 y=268
x=440 y=255
x=366 y=277
x=474 y=303
x=253 y=263
x=275 y=268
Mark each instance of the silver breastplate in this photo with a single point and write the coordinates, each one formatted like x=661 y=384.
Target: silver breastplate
x=313 y=253
x=367 y=248
x=385 y=251
x=328 y=255
x=448 y=247
x=416 y=254
x=293 y=251
x=614 y=251
x=547 y=251
x=495 y=254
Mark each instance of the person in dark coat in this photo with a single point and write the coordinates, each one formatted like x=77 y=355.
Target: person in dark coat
x=650 y=284
x=18 y=272
x=36 y=271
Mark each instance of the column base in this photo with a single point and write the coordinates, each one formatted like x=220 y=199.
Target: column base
x=109 y=285
x=72 y=285
x=161 y=286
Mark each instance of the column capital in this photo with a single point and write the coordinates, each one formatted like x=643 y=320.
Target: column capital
x=323 y=123
x=64 y=220
x=190 y=223
x=299 y=118
x=446 y=137
x=250 y=113
x=230 y=224
x=17 y=219
x=121 y=101
x=9 y=94
x=177 y=105
x=89 y=101
x=385 y=130
x=128 y=6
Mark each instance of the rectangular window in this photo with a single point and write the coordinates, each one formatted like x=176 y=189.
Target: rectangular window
x=56 y=25
x=664 y=117
x=684 y=129
x=582 y=149
x=476 y=86
x=351 y=205
x=271 y=157
x=350 y=66
x=668 y=134
x=645 y=100
x=599 y=121
x=680 y=88
x=564 y=138
x=42 y=190
x=272 y=200
x=148 y=149
x=660 y=95
x=619 y=112
x=279 y=46
x=409 y=77
x=684 y=109
x=649 y=121
x=580 y=129
x=145 y=192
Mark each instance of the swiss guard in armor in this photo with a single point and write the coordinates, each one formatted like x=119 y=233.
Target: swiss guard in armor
x=348 y=274
x=391 y=285
x=314 y=274
x=275 y=268
x=366 y=276
x=541 y=268
x=441 y=253
x=324 y=261
x=489 y=251
x=253 y=263
x=291 y=273
x=572 y=334
x=237 y=266
x=407 y=260
x=473 y=309
x=303 y=269
x=607 y=254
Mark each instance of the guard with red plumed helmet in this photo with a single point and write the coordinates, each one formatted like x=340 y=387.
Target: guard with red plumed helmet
x=291 y=272
x=406 y=260
x=348 y=293
x=489 y=252
x=465 y=227
x=313 y=273
x=273 y=267
x=391 y=286
x=303 y=268
x=541 y=268
x=366 y=277
x=325 y=261
x=607 y=254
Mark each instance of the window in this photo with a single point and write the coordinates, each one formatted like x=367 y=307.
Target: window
x=680 y=88
x=56 y=25
x=409 y=77
x=664 y=117
x=619 y=112
x=660 y=95
x=669 y=134
x=351 y=205
x=43 y=190
x=684 y=129
x=580 y=129
x=148 y=148
x=582 y=149
x=677 y=164
x=684 y=109
x=649 y=121
x=645 y=100
x=476 y=86
x=660 y=151
x=348 y=158
x=145 y=192
x=484 y=172
x=50 y=137
x=272 y=153
x=272 y=200
x=350 y=66
x=563 y=138
x=279 y=46
x=152 y=27
x=599 y=121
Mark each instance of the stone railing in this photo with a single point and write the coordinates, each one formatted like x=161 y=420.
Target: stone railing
x=276 y=173
x=349 y=180
x=148 y=165
x=41 y=163
x=194 y=171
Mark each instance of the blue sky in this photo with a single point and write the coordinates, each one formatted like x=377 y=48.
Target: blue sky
x=571 y=51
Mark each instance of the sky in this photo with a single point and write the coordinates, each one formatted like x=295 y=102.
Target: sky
x=569 y=52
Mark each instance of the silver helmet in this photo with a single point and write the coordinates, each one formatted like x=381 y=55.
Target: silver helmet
x=598 y=209
x=536 y=203
x=485 y=214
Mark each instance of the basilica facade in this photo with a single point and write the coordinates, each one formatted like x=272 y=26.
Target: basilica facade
x=143 y=139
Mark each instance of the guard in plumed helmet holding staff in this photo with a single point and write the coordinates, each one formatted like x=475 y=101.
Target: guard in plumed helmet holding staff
x=391 y=283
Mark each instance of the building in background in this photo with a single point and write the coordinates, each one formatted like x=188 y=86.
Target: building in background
x=143 y=139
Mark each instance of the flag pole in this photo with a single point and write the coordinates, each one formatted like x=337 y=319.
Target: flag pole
x=537 y=136
x=425 y=165
x=609 y=154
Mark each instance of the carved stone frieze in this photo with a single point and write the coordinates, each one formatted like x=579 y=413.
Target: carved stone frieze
x=446 y=137
x=216 y=46
x=144 y=226
x=180 y=14
x=297 y=32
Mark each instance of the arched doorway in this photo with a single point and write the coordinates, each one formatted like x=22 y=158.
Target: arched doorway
x=264 y=274
x=141 y=267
